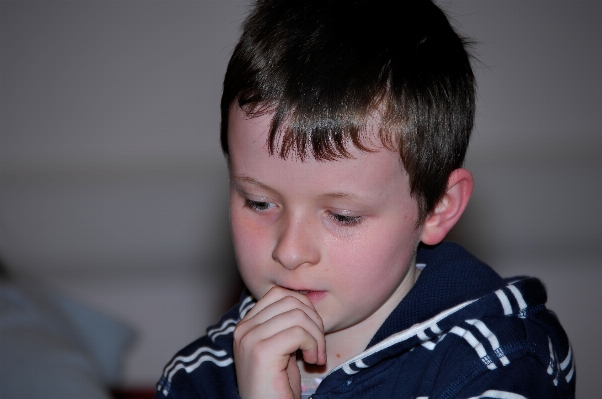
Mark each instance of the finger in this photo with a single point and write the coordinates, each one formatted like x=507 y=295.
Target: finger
x=261 y=371
x=299 y=327
x=280 y=316
x=273 y=295
x=263 y=312
x=284 y=305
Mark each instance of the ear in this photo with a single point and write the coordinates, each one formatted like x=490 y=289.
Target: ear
x=450 y=208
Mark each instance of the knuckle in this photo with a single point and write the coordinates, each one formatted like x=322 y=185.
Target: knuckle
x=298 y=314
x=238 y=332
x=242 y=335
x=293 y=317
x=291 y=301
x=276 y=290
x=259 y=348
x=245 y=342
x=298 y=331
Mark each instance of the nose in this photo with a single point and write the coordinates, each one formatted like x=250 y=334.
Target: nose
x=297 y=244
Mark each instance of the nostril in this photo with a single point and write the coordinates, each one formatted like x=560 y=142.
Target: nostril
x=296 y=245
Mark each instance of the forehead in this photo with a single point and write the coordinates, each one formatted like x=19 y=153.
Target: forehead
x=320 y=136
x=366 y=134
x=362 y=171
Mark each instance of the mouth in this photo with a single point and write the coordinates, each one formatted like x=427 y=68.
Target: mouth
x=303 y=292
x=313 y=296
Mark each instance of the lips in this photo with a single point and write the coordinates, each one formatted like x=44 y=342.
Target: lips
x=313 y=296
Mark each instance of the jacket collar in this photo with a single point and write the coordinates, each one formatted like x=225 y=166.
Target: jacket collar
x=451 y=276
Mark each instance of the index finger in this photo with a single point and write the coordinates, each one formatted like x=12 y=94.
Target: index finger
x=277 y=293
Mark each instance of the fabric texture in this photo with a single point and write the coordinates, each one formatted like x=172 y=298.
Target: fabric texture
x=461 y=332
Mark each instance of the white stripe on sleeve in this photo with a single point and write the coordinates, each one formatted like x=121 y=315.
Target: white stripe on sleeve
x=477 y=346
x=566 y=361
x=186 y=359
x=504 y=301
x=495 y=344
x=492 y=393
x=519 y=298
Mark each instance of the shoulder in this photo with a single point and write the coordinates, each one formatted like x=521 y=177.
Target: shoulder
x=204 y=368
x=508 y=344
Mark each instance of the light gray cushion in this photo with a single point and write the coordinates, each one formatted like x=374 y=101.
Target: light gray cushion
x=54 y=347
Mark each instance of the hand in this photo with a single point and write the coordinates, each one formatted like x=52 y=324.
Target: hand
x=267 y=339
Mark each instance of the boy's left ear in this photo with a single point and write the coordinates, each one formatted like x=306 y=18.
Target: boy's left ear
x=450 y=208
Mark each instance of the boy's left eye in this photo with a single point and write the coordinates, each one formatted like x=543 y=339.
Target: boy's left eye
x=345 y=220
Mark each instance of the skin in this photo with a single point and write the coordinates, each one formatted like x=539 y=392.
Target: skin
x=329 y=250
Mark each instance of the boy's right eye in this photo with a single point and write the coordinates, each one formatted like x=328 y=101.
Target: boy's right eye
x=258 y=205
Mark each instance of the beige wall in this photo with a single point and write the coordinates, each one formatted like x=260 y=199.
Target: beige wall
x=113 y=188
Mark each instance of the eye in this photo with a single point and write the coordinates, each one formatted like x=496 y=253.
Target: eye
x=345 y=220
x=258 y=206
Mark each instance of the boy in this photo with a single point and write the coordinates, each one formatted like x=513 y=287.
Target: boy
x=345 y=125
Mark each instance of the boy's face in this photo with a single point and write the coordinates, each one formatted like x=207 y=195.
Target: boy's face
x=343 y=232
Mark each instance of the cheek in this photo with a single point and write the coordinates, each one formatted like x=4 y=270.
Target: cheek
x=237 y=229
x=381 y=244
x=378 y=261
x=241 y=224
x=252 y=250
x=242 y=237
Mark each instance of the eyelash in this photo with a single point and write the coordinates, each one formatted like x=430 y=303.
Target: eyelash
x=343 y=220
x=346 y=220
x=257 y=205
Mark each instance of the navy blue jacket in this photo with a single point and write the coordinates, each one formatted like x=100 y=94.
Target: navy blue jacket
x=461 y=332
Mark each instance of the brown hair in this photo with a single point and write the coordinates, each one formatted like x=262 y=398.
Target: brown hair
x=325 y=67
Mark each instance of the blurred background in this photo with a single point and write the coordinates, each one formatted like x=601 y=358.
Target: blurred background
x=113 y=189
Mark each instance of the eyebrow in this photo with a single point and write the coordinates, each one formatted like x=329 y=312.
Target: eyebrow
x=250 y=180
x=338 y=194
